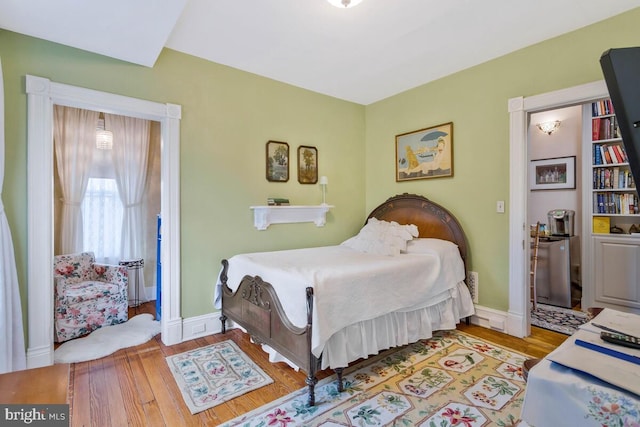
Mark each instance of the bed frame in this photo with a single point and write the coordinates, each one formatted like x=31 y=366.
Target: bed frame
x=256 y=307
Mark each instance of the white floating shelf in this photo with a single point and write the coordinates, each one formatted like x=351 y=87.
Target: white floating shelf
x=264 y=216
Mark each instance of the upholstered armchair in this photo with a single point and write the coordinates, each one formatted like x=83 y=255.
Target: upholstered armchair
x=87 y=295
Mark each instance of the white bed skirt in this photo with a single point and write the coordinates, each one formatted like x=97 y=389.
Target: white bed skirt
x=369 y=337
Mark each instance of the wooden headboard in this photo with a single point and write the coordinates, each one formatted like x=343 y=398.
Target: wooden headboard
x=432 y=219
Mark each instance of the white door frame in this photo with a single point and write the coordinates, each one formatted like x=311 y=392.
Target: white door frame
x=42 y=94
x=518 y=322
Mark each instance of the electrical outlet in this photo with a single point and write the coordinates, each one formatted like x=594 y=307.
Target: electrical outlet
x=473 y=284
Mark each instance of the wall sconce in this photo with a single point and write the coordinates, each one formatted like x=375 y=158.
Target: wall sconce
x=104 y=138
x=344 y=3
x=323 y=183
x=549 y=127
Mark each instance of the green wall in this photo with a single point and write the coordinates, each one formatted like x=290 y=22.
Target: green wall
x=227 y=118
x=229 y=115
x=475 y=100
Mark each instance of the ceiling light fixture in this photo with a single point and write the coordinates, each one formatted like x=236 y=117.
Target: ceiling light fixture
x=344 y=3
x=549 y=127
x=104 y=138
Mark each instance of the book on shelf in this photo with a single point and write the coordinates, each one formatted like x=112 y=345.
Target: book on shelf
x=606 y=156
x=618 y=153
x=602 y=108
x=595 y=129
x=601 y=224
x=612 y=154
x=622 y=152
x=597 y=155
x=276 y=201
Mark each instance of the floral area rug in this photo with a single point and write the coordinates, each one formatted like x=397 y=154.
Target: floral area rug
x=212 y=375
x=563 y=320
x=452 y=379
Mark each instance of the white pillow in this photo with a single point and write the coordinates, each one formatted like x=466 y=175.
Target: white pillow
x=428 y=245
x=382 y=237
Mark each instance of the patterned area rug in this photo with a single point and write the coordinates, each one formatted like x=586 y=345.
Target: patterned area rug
x=451 y=379
x=557 y=319
x=212 y=375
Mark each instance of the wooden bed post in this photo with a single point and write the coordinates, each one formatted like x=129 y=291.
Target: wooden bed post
x=223 y=280
x=311 y=380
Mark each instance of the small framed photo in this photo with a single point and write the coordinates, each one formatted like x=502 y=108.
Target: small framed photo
x=425 y=153
x=558 y=173
x=277 y=161
x=307 y=164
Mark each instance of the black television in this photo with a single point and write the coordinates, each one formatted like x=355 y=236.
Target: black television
x=621 y=69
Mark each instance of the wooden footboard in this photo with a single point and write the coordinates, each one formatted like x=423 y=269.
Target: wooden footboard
x=255 y=307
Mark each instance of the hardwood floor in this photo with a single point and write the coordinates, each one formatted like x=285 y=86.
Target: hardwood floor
x=135 y=387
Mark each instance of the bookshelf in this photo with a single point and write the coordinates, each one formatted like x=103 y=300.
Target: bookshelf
x=614 y=198
x=611 y=277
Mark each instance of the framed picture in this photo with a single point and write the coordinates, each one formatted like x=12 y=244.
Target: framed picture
x=277 y=161
x=307 y=164
x=558 y=173
x=425 y=153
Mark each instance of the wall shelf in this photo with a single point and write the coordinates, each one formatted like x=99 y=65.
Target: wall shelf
x=264 y=216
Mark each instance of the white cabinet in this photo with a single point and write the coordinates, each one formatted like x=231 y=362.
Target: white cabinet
x=617 y=272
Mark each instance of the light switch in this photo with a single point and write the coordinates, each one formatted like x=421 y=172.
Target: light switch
x=500 y=206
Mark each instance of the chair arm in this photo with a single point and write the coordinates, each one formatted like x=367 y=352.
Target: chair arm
x=60 y=282
x=111 y=273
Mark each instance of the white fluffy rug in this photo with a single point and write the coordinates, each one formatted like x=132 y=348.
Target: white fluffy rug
x=105 y=341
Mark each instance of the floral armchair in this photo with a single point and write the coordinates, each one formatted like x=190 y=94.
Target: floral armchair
x=87 y=295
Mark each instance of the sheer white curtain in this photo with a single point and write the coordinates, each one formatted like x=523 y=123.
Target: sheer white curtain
x=12 y=351
x=74 y=132
x=130 y=160
x=102 y=219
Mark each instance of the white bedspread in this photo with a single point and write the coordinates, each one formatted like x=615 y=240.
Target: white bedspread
x=349 y=286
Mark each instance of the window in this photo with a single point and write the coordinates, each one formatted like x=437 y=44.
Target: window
x=102 y=219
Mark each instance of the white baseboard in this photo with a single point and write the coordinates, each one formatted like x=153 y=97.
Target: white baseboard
x=200 y=326
x=209 y=324
x=490 y=318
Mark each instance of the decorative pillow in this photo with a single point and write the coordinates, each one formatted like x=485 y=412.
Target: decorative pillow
x=382 y=237
x=428 y=246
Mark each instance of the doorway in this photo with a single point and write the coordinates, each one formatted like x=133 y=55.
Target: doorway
x=42 y=95
x=520 y=109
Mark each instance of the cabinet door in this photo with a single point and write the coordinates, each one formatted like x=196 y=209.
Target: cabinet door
x=617 y=272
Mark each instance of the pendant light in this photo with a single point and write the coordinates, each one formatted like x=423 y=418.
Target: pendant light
x=344 y=3
x=104 y=138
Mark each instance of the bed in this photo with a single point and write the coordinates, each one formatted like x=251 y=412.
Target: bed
x=325 y=307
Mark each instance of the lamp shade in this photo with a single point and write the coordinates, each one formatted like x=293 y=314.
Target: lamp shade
x=104 y=138
x=323 y=180
x=549 y=127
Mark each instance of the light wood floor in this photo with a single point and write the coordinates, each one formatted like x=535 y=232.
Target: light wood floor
x=135 y=387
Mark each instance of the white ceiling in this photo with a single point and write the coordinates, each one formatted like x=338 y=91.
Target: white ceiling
x=362 y=54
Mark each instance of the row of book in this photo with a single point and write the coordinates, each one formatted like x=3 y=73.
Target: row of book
x=274 y=201
x=601 y=108
x=615 y=203
x=612 y=178
x=604 y=128
x=609 y=154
